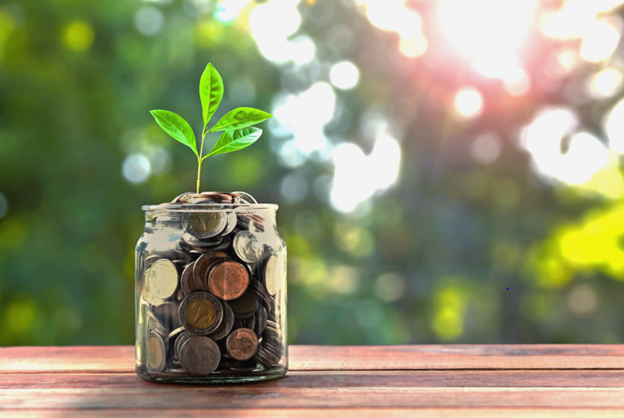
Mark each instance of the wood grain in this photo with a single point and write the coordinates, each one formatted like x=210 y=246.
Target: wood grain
x=329 y=413
x=427 y=381
x=117 y=359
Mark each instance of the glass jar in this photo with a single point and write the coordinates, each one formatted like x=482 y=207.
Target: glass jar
x=210 y=294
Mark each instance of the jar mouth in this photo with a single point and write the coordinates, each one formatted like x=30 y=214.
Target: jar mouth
x=209 y=207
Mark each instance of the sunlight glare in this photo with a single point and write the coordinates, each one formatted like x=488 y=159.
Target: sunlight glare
x=344 y=75
x=468 y=102
x=485 y=27
x=600 y=41
x=614 y=127
x=586 y=154
x=606 y=83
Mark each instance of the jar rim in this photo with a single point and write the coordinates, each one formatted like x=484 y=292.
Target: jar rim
x=209 y=207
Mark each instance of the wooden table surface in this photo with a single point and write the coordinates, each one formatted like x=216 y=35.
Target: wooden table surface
x=420 y=380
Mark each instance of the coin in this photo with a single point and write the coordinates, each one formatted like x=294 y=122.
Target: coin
x=202 y=266
x=204 y=225
x=200 y=355
x=201 y=313
x=151 y=260
x=247 y=247
x=180 y=339
x=162 y=279
x=272 y=277
x=245 y=197
x=167 y=314
x=261 y=320
x=228 y=280
x=242 y=344
x=245 y=306
x=250 y=322
x=226 y=324
x=156 y=353
x=187 y=283
x=263 y=293
x=232 y=220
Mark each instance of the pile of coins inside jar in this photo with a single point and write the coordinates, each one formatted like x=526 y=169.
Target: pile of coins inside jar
x=209 y=304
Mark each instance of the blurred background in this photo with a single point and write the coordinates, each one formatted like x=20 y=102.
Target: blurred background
x=447 y=171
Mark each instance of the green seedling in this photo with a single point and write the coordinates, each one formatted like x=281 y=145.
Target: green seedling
x=236 y=125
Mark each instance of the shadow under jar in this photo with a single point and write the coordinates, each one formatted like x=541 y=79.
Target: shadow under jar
x=210 y=294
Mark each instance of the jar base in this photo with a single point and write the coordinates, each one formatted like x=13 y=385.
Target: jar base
x=213 y=378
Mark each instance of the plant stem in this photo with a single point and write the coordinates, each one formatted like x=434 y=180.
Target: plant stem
x=199 y=159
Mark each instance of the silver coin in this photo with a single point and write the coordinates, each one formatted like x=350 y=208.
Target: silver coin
x=180 y=339
x=247 y=247
x=168 y=315
x=226 y=324
x=200 y=355
x=162 y=279
x=246 y=197
x=232 y=220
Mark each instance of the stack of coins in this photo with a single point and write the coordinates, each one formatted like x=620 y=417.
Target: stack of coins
x=210 y=301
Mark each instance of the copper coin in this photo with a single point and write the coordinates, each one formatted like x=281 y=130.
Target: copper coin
x=228 y=280
x=202 y=266
x=156 y=353
x=242 y=344
x=200 y=355
x=201 y=313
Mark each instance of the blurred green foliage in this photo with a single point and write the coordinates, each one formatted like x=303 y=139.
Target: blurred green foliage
x=455 y=252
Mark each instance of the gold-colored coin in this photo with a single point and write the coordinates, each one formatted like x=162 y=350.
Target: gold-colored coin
x=201 y=313
x=156 y=354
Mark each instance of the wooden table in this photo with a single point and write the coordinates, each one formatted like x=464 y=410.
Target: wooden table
x=424 y=381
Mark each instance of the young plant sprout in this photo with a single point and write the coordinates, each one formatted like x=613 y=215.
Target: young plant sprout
x=236 y=125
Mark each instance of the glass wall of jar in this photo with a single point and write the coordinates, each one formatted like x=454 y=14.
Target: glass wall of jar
x=210 y=294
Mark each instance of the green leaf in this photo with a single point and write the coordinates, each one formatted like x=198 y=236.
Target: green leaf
x=240 y=117
x=210 y=92
x=235 y=140
x=177 y=127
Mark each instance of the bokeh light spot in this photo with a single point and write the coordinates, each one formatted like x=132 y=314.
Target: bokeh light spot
x=78 y=36
x=390 y=287
x=294 y=188
x=413 y=47
x=468 y=102
x=582 y=299
x=605 y=83
x=136 y=168
x=20 y=316
x=344 y=75
x=486 y=148
x=600 y=42
x=149 y=20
